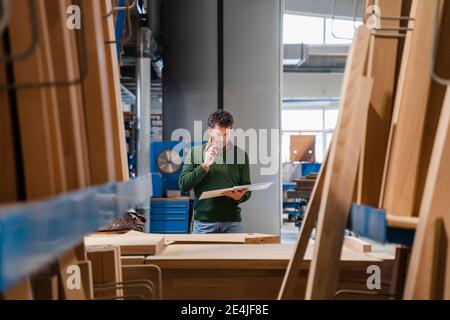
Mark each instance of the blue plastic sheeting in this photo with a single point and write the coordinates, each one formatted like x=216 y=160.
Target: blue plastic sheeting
x=35 y=234
x=372 y=223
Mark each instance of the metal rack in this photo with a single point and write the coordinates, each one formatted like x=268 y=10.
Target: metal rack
x=33 y=235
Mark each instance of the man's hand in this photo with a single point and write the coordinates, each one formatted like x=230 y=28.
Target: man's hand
x=210 y=156
x=235 y=195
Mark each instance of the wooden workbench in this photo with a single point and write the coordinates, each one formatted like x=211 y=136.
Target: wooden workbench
x=235 y=271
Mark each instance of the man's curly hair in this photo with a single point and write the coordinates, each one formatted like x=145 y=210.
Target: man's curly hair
x=223 y=118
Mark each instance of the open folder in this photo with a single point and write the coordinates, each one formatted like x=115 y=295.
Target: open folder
x=250 y=187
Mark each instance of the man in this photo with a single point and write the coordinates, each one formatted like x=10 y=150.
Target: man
x=219 y=164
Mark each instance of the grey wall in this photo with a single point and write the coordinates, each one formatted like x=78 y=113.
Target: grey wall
x=190 y=63
x=252 y=83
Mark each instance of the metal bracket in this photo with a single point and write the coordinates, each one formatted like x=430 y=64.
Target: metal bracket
x=146 y=284
x=367 y=293
x=129 y=28
x=333 y=16
x=127 y=7
x=391 y=18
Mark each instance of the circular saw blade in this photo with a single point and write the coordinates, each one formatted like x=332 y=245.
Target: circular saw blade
x=169 y=162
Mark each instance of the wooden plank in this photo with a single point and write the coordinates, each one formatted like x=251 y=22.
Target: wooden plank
x=382 y=67
x=357 y=244
x=21 y=291
x=46 y=287
x=287 y=289
x=417 y=107
x=70 y=103
x=435 y=205
x=116 y=108
x=341 y=172
x=106 y=268
x=129 y=245
x=8 y=142
x=51 y=100
x=65 y=262
x=337 y=195
x=246 y=256
x=96 y=98
x=33 y=110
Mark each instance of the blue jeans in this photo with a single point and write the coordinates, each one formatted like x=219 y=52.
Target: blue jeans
x=216 y=227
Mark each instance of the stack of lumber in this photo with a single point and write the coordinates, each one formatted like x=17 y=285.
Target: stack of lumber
x=303 y=188
x=61 y=120
x=389 y=149
x=61 y=114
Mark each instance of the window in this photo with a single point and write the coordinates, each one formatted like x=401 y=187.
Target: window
x=318 y=121
x=340 y=31
x=317 y=30
x=302 y=29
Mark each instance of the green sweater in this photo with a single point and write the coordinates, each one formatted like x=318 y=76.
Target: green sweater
x=220 y=175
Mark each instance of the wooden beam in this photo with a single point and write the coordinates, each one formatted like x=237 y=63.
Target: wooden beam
x=341 y=173
x=116 y=108
x=70 y=102
x=382 y=67
x=36 y=125
x=96 y=98
x=435 y=206
x=417 y=107
x=8 y=142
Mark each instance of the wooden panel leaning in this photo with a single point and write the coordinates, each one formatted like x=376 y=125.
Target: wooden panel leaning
x=340 y=178
x=97 y=98
x=116 y=109
x=70 y=102
x=416 y=112
x=382 y=67
x=36 y=107
x=8 y=142
x=428 y=275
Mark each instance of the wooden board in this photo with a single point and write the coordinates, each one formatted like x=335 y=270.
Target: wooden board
x=106 y=268
x=246 y=256
x=417 y=107
x=303 y=148
x=46 y=287
x=129 y=245
x=341 y=174
x=97 y=99
x=36 y=125
x=429 y=272
x=382 y=67
x=8 y=141
x=357 y=245
x=253 y=238
x=65 y=261
x=54 y=123
x=116 y=109
x=69 y=98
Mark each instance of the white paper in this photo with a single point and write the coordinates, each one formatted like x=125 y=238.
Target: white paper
x=250 y=187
